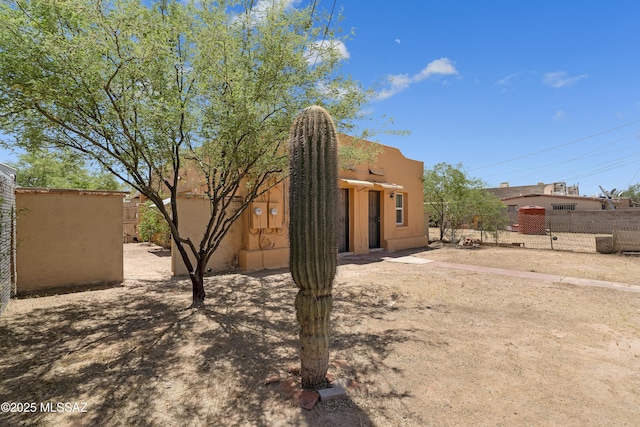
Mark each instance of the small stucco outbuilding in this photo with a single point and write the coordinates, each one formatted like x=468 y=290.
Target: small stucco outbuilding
x=67 y=238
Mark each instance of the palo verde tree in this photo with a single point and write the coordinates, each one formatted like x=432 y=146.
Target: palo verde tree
x=147 y=89
x=633 y=192
x=451 y=196
x=489 y=210
x=313 y=235
x=60 y=169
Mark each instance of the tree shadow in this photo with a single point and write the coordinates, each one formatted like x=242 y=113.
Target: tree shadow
x=138 y=357
x=69 y=289
x=87 y=347
x=162 y=252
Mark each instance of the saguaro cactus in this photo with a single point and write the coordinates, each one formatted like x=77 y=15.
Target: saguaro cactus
x=313 y=198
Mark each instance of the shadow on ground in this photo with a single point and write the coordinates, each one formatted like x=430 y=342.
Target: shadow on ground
x=138 y=357
x=378 y=256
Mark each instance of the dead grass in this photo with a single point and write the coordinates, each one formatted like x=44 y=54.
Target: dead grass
x=429 y=346
x=558 y=241
x=610 y=267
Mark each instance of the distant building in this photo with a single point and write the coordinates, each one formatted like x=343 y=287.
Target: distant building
x=554 y=197
x=557 y=188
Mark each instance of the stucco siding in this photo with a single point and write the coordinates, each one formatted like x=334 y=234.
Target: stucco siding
x=193 y=214
x=67 y=237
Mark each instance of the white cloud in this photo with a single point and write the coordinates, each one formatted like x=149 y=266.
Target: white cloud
x=259 y=10
x=334 y=92
x=507 y=80
x=439 y=66
x=560 y=115
x=321 y=49
x=561 y=79
x=400 y=82
x=398 y=41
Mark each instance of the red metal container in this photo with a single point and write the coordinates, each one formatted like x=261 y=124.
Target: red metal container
x=531 y=220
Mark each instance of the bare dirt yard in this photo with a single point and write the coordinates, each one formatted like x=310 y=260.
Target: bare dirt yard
x=416 y=344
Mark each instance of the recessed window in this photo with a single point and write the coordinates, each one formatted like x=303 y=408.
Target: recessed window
x=400 y=201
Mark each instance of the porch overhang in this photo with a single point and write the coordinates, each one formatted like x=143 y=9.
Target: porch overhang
x=356 y=182
x=389 y=186
x=360 y=183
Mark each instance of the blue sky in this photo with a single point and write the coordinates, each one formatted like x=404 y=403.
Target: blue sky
x=522 y=92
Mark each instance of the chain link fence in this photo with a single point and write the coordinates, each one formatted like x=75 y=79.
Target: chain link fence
x=615 y=231
x=7 y=235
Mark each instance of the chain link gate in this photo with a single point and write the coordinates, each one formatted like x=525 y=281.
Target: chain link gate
x=7 y=235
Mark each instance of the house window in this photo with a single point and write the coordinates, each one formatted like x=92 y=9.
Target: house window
x=400 y=201
x=568 y=207
x=512 y=208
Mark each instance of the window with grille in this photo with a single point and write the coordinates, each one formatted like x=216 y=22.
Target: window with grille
x=567 y=207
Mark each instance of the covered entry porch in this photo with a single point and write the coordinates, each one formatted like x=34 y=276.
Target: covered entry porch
x=373 y=216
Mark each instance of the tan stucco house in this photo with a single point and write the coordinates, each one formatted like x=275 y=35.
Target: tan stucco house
x=381 y=208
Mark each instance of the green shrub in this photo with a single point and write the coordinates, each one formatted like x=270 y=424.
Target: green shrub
x=152 y=227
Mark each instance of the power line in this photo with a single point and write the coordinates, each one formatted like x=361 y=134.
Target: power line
x=633 y=177
x=326 y=29
x=611 y=165
x=564 y=162
x=557 y=146
x=313 y=9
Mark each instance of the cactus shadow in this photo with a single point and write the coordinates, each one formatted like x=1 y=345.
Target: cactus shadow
x=378 y=256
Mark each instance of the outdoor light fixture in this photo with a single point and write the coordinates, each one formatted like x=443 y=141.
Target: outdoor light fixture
x=274 y=211
x=257 y=211
x=392 y=195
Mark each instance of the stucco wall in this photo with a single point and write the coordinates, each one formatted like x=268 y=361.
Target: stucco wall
x=266 y=237
x=67 y=238
x=391 y=167
x=193 y=214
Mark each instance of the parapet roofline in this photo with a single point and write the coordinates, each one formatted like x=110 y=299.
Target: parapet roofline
x=40 y=190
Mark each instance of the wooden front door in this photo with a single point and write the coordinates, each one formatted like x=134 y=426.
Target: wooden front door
x=343 y=220
x=374 y=219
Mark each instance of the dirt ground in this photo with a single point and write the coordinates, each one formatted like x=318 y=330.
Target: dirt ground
x=416 y=344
